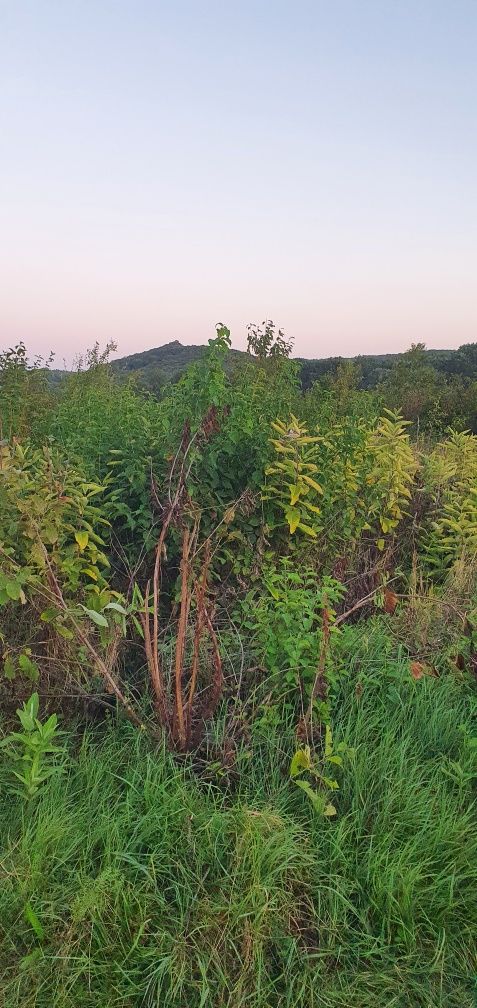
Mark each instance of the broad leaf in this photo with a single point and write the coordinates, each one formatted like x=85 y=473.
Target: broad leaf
x=95 y=617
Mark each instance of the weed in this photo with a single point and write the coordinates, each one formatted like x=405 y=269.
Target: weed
x=31 y=754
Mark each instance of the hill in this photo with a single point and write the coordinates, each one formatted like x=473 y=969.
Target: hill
x=160 y=365
x=166 y=363
x=170 y=360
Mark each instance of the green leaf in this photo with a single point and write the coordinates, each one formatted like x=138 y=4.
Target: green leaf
x=49 y=614
x=50 y=535
x=117 y=608
x=301 y=761
x=311 y=482
x=295 y=493
x=95 y=617
x=28 y=712
x=32 y=919
x=308 y=529
x=32 y=705
x=9 y=670
x=49 y=726
x=30 y=960
x=29 y=667
x=13 y=590
x=82 y=538
x=293 y=516
x=329 y=810
x=138 y=627
x=92 y=572
x=64 y=631
x=316 y=799
x=91 y=488
x=311 y=507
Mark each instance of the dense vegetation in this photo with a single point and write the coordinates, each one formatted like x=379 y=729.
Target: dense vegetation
x=438 y=386
x=238 y=619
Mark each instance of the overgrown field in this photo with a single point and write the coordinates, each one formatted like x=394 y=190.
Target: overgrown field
x=239 y=653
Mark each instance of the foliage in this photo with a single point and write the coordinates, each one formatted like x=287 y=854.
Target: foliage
x=357 y=475
x=450 y=480
x=30 y=754
x=107 y=430
x=264 y=342
x=146 y=882
x=285 y=619
x=227 y=473
x=167 y=363
x=425 y=395
x=294 y=473
x=54 y=566
x=302 y=766
x=214 y=573
x=391 y=472
x=25 y=397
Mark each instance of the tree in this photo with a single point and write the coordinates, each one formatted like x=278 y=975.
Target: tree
x=25 y=394
x=413 y=386
x=263 y=342
x=468 y=354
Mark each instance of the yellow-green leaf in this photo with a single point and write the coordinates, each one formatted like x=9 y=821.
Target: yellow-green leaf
x=311 y=482
x=91 y=572
x=293 y=518
x=82 y=538
x=308 y=529
x=301 y=761
x=329 y=810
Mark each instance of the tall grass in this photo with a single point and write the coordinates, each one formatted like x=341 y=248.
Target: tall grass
x=133 y=883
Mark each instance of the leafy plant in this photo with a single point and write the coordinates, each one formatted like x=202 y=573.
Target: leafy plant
x=264 y=342
x=450 y=480
x=390 y=474
x=303 y=767
x=54 y=569
x=294 y=488
x=32 y=754
x=286 y=621
x=26 y=400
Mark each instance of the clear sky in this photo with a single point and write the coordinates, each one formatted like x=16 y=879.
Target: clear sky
x=168 y=165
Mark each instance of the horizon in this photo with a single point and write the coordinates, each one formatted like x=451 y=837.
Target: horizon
x=167 y=165
x=117 y=356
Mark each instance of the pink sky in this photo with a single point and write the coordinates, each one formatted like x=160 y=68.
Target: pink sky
x=166 y=166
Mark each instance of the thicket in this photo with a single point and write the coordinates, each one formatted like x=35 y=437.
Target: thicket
x=277 y=589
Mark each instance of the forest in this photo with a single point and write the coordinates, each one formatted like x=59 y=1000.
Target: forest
x=238 y=667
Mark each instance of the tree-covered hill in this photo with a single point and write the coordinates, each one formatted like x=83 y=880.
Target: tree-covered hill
x=171 y=359
x=154 y=368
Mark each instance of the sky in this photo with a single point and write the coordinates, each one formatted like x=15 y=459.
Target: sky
x=165 y=166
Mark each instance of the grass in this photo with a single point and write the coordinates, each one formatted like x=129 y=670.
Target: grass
x=149 y=888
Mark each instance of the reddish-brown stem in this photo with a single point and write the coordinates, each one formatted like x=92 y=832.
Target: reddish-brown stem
x=155 y=601
x=181 y=638
x=153 y=663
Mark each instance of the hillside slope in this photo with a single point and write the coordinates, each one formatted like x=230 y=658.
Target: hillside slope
x=154 y=368
x=167 y=362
